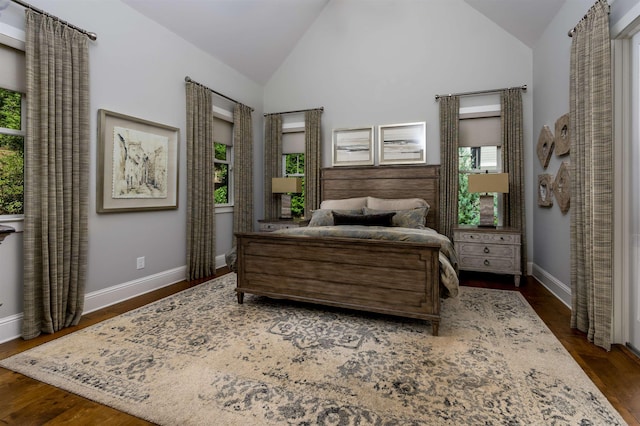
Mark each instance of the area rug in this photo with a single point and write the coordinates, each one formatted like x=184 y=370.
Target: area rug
x=200 y=358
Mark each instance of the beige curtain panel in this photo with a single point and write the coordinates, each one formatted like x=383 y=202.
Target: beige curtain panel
x=312 y=160
x=242 y=170
x=272 y=163
x=449 y=135
x=513 y=164
x=56 y=175
x=591 y=171
x=201 y=217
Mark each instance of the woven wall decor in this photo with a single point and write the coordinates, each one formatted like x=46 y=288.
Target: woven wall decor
x=563 y=144
x=545 y=190
x=545 y=146
x=562 y=187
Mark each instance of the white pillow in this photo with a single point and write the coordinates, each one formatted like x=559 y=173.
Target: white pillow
x=345 y=204
x=395 y=203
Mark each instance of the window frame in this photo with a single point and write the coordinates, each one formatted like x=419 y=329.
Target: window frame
x=225 y=115
x=22 y=133
x=483 y=111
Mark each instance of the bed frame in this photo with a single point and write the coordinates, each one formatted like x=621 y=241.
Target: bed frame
x=396 y=278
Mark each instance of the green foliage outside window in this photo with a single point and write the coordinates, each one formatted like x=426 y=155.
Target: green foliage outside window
x=221 y=174
x=11 y=154
x=294 y=166
x=468 y=203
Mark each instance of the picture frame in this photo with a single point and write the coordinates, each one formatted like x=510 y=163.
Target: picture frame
x=402 y=143
x=353 y=146
x=137 y=164
x=545 y=190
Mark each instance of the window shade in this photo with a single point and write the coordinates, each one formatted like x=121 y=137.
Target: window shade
x=481 y=131
x=293 y=142
x=222 y=131
x=13 y=76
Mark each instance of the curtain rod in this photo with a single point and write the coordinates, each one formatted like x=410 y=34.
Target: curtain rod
x=92 y=36
x=189 y=80
x=293 y=112
x=481 y=92
x=573 y=30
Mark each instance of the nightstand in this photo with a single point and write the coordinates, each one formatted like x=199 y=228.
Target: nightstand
x=495 y=250
x=270 y=225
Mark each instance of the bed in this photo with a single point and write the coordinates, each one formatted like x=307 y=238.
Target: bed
x=401 y=277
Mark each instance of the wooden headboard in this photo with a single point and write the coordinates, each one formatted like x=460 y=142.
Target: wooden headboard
x=421 y=181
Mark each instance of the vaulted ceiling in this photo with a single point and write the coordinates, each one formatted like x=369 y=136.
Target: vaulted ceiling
x=255 y=36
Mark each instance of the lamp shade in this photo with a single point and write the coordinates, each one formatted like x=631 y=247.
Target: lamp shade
x=489 y=182
x=282 y=185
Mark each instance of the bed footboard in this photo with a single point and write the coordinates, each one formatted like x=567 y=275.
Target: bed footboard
x=388 y=277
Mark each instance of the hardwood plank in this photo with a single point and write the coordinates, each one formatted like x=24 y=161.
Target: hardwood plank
x=28 y=402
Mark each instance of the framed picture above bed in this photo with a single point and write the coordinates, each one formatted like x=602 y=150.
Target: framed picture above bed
x=402 y=143
x=137 y=164
x=353 y=147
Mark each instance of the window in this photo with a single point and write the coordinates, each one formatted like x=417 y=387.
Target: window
x=294 y=166
x=11 y=152
x=293 y=144
x=479 y=151
x=12 y=130
x=223 y=136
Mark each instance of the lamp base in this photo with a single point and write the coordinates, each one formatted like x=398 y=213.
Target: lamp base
x=486 y=212
x=285 y=207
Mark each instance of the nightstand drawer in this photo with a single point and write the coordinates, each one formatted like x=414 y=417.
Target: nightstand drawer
x=479 y=237
x=487 y=250
x=490 y=264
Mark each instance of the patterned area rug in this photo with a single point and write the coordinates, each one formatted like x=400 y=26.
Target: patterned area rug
x=199 y=358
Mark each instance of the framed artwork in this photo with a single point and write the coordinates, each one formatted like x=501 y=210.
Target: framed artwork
x=402 y=143
x=562 y=187
x=545 y=190
x=563 y=144
x=137 y=164
x=353 y=147
x=545 y=146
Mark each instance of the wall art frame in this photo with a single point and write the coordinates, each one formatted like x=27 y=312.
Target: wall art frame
x=562 y=187
x=353 y=146
x=545 y=190
x=545 y=146
x=402 y=143
x=137 y=164
x=562 y=136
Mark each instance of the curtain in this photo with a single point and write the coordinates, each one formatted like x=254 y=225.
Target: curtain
x=312 y=160
x=449 y=133
x=201 y=218
x=242 y=170
x=591 y=171
x=56 y=175
x=513 y=214
x=272 y=163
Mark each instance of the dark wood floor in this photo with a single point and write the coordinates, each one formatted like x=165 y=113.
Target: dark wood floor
x=25 y=401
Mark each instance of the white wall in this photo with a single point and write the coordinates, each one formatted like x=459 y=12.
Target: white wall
x=138 y=69
x=372 y=63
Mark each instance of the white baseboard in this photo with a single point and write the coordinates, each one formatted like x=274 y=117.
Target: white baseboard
x=554 y=285
x=11 y=326
x=119 y=293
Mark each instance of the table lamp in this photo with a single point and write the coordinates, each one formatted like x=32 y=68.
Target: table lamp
x=487 y=183
x=285 y=186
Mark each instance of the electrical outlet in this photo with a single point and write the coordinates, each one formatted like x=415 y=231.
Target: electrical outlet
x=140 y=263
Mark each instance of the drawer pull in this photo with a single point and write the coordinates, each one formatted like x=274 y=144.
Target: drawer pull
x=486 y=250
x=486 y=262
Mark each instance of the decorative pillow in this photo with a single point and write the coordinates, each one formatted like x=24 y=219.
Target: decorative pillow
x=383 y=219
x=345 y=204
x=323 y=217
x=413 y=218
x=395 y=203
